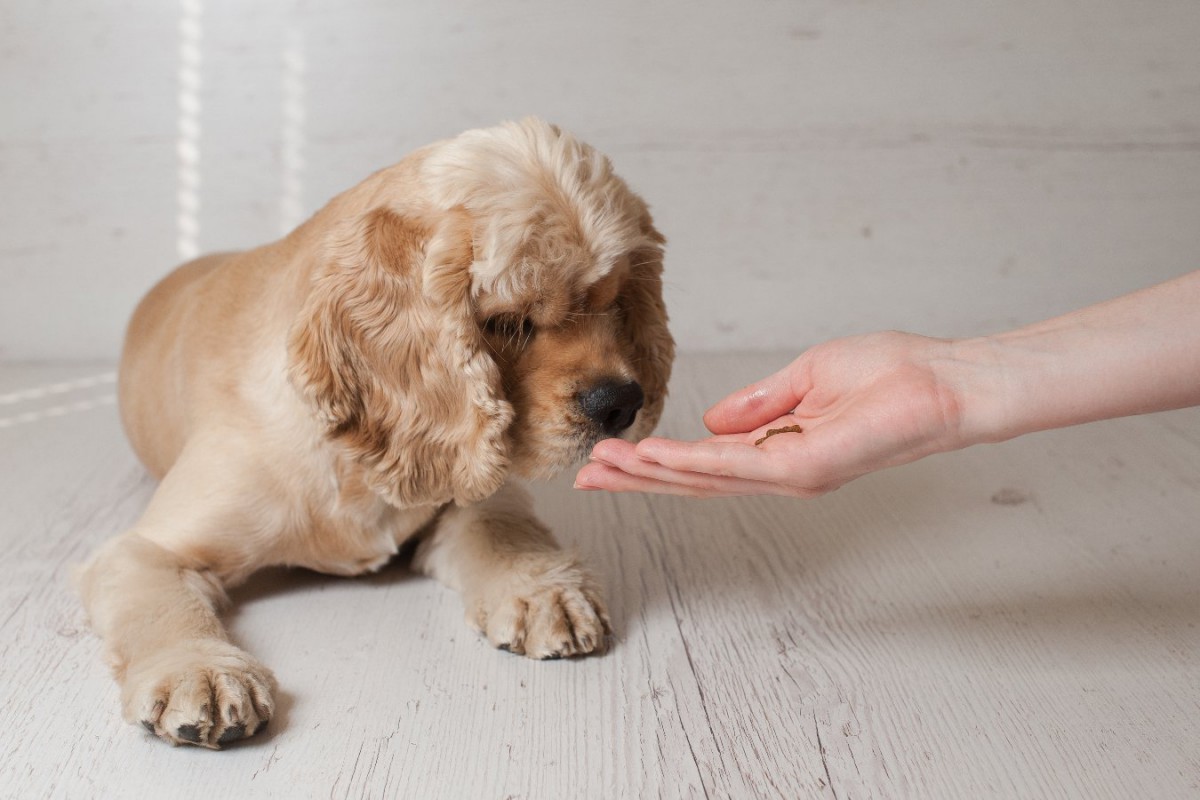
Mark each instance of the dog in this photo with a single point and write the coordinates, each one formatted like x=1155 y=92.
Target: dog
x=484 y=311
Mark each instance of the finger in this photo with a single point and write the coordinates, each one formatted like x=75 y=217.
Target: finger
x=724 y=458
x=756 y=404
x=627 y=460
x=610 y=479
x=603 y=476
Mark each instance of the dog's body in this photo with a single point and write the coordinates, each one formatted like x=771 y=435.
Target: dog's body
x=490 y=306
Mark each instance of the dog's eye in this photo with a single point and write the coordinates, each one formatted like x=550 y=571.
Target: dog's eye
x=509 y=326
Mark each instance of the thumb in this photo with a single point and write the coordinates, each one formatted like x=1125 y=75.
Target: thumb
x=755 y=405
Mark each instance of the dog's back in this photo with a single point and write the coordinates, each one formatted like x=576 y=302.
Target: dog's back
x=191 y=343
x=195 y=336
x=152 y=384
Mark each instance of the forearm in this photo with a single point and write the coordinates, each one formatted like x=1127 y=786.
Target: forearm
x=1132 y=355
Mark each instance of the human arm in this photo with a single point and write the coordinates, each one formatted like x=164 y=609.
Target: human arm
x=869 y=402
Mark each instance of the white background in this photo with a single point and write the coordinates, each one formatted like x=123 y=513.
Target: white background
x=820 y=168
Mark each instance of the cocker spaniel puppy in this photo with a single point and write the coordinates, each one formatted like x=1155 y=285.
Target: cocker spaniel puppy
x=488 y=308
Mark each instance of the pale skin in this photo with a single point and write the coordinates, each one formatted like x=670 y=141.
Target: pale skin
x=869 y=402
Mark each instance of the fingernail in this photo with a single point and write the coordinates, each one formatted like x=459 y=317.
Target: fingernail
x=583 y=488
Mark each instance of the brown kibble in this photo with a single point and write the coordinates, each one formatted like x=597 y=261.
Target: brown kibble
x=773 y=431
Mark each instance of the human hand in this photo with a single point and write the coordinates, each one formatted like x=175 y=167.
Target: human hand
x=863 y=403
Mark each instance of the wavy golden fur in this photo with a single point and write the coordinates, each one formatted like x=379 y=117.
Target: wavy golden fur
x=487 y=308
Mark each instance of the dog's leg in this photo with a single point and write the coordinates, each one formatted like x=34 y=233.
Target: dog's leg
x=152 y=596
x=518 y=587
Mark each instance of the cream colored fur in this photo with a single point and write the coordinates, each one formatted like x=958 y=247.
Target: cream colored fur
x=382 y=373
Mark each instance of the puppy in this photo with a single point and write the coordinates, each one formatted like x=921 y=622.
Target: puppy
x=488 y=308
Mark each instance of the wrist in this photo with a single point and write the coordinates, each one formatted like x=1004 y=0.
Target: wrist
x=1036 y=378
x=982 y=375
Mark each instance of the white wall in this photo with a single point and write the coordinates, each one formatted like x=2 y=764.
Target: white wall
x=820 y=168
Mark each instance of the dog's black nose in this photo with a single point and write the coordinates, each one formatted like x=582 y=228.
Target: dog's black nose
x=612 y=405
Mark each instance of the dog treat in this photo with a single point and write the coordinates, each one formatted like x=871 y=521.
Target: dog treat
x=773 y=431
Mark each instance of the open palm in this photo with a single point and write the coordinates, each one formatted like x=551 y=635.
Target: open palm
x=863 y=403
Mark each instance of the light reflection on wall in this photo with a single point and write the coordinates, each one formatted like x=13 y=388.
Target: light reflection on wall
x=291 y=207
x=188 y=146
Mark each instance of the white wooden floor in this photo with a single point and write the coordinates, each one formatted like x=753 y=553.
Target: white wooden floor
x=1010 y=621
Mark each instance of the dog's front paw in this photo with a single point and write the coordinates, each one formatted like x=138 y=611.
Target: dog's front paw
x=552 y=613
x=204 y=692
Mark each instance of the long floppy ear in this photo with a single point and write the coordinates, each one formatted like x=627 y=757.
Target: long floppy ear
x=387 y=351
x=645 y=320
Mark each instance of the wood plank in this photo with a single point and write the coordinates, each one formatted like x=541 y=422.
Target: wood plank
x=1012 y=620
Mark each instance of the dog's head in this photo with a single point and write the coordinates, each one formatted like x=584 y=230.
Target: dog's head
x=509 y=320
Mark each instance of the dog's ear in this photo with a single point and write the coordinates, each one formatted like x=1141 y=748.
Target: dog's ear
x=387 y=351
x=644 y=316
